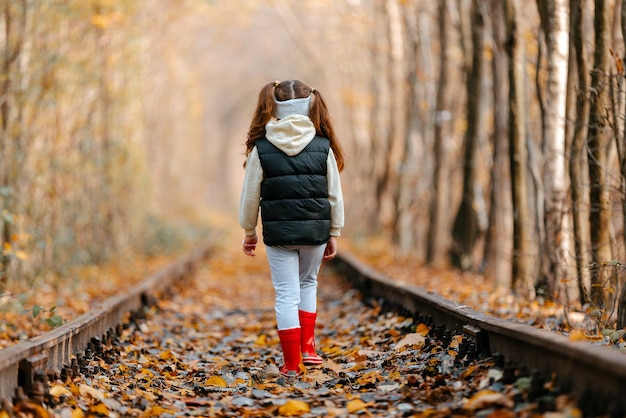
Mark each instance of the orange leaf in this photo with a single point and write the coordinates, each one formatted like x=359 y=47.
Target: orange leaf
x=294 y=407
x=422 y=329
x=216 y=381
x=356 y=405
x=577 y=335
x=99 y=408
x=485 y=398
x=168 y=355
x=261 y=340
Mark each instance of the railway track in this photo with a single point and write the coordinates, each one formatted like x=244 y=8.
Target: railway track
x=590 y=372
x=56 y=352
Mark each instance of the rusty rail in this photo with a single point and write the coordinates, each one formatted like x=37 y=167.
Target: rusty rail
x=593 y=373
x=21 y=363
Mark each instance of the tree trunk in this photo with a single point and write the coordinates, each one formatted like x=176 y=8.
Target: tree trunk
x=379 y=120
x=11 y=154
x=398 y=151
x=554 y=17
x=621 y=308
x=578 y=160
x=600 y=216
x=522 y=280
x=437 y=233
x=498 y=246
x=468 y=224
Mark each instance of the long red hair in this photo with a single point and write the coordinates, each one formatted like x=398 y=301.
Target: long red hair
x=286 y=90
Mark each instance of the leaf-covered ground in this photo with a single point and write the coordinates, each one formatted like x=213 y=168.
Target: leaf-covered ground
x=30 y=309
x=588 y=323
x=213 y=350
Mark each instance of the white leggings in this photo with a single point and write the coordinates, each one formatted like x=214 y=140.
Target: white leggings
x=294 y=271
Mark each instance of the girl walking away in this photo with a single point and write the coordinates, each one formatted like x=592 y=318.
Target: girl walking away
x=292 y=174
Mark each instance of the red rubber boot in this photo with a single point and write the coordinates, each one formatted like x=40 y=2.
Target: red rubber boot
x=290 y=343
x=307 y=324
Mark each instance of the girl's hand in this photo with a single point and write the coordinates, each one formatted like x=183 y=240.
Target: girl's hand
x=331 y=249
x=249 y=245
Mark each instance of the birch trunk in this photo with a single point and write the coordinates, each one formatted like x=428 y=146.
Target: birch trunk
x=557 y=231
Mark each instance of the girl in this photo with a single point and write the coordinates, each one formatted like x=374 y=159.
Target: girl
x=292 y=174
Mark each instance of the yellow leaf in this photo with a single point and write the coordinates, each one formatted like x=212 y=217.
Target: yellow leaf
x=216 y=381
x=577 y=335
x=294 y=407
x=369 y=377
x=356 y=405
x=155 y=411
x=77 y=413
x=21 y=255
x=59 y=390
x=168 y=355
x=99 y=408
x=261 y=340
x=31 y=409
x=468 y=372
x=394 y=375
x=4 y=414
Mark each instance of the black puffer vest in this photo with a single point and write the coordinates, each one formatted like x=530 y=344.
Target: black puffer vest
x=294 y=194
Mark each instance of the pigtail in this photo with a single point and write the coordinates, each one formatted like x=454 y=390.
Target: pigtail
x=262 y=115
x=320 y=117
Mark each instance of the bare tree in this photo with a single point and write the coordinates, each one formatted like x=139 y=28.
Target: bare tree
x=554 y=19
x=437 y=233
x=600 y=216
x=469 y=222
x=621 y=147
x=578 y=158
x=498 y=246
x=522 y=280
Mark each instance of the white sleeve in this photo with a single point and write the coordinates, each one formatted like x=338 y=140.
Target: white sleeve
x=251 y=194
x=335 y=196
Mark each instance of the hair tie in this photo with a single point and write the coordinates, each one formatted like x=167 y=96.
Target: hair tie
x=276 y=83
x=312 y=89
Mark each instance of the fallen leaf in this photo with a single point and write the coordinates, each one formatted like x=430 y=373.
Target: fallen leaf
x=577 y=335
x=486 y=398
x=58 y=390
x=356 y=405
x=294 y=407
x=99 y=408
x=411 y=340
x=88 y=390
x=216 y=381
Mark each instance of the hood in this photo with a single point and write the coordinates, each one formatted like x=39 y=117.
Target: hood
x=291 y=134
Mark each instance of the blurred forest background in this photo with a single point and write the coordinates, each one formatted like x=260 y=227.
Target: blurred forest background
x=482 y=135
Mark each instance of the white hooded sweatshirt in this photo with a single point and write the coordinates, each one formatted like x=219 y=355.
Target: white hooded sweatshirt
x=291 y=135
